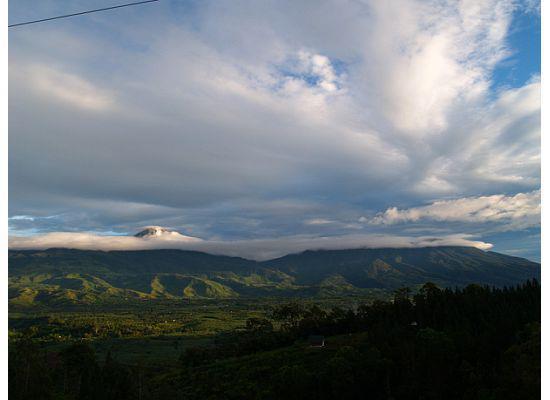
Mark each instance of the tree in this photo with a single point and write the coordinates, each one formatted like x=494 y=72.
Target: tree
x=288 y=315
x=259 y=325
x=29 y=376
x=81 y=370
x=116 y=380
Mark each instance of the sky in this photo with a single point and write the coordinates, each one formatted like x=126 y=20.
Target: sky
x=264 y=128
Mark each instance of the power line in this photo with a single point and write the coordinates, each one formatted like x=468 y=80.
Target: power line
x=82 y=13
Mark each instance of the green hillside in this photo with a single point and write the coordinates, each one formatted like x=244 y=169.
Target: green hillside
x=64 y=276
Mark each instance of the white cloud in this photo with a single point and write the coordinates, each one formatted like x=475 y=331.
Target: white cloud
x=66 y=87
x=437 y=56
x=318 y=221
x=318 y=68
x=259 y=249
x=21 y=218
x=520 y=210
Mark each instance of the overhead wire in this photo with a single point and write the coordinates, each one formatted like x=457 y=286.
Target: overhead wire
x=81 y=13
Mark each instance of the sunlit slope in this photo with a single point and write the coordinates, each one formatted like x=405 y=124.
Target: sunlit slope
x=62 y=276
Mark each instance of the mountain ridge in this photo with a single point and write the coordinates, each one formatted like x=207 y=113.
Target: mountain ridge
x=69 y=276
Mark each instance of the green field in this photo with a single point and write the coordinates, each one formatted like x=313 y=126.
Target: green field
x=154 y=333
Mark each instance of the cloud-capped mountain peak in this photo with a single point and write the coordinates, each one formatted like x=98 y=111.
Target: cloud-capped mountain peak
x=156 y=231
x=159 y=232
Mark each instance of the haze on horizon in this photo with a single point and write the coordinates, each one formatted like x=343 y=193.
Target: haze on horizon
x=278 y=123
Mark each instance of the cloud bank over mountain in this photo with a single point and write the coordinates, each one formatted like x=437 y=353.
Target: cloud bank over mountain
x=258 y=249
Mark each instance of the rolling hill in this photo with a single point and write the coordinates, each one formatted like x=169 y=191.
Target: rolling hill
x=67 y=276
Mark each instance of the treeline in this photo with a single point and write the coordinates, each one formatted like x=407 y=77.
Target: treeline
x=470 y=343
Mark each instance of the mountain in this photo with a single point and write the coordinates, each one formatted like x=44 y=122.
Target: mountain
x=165 y=234
x=65 y=276
x=393 y=267
x=158 y=231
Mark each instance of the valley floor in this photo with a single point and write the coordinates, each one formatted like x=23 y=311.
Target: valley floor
x=154 y=333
